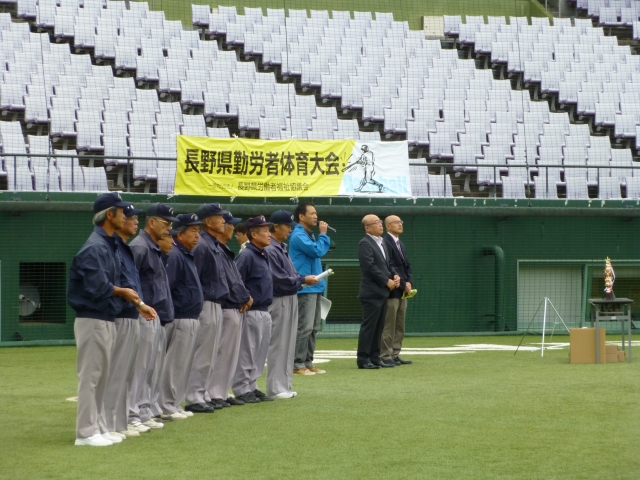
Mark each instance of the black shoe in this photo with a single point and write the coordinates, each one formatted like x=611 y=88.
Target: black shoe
x=400 y=361
x=219 y=404
x=233 y=401
x=249 y=398
x=199 y=408
x=387 y=363
x=368 y=366
x=263 y=397
x=396 y=361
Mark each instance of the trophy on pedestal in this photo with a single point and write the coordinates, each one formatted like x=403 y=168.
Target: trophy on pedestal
x=609 y=278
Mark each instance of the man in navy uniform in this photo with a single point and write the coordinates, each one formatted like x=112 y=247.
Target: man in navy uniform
x=157 y=293
x=94 y=293
x=284 y=308
x=182 y=333
x=253 y=266
x=125 y=347
x=207 y=256
x=234 y=304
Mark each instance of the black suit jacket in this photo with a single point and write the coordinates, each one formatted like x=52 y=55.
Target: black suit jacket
x=376 y=270
x=401 y=265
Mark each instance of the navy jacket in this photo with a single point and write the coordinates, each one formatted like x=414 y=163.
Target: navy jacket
x=238 y=294
x=210 y=265
x=286 y=281
x=399 y=262
x=186 y=290
x=94 y=271
x=129 y=277
x=253 y=266
x=153 y=276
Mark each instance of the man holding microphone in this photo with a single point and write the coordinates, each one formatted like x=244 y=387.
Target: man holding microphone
x=306 y=251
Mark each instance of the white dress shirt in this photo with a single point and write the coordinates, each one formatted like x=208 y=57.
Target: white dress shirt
x=378 y=240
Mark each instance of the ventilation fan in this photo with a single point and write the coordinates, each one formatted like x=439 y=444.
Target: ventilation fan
x=29 y=300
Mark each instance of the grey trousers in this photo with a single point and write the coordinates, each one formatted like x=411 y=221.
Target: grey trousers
x=204 y=357
x=94 y=339
x=227 y=356
x=254 y=344
x=309 y=322
x=182 y=335
x=282 y=345
x=145 y=365
x=123 y=360
x=161 y=349
x=393 y=332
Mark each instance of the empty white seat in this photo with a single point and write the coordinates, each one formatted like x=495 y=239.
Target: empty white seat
x=71 y=175
x=20 y=178
x=95 y=179
x=46 y=179
x=576 y=187
x=513 y=187
x=166 y=177
x=218 y=132
x=440 y=186
x=194 y=125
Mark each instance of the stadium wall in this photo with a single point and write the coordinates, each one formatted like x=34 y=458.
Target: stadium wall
x=468 y=257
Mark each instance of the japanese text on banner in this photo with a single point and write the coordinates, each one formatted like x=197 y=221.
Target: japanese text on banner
x=260 y=168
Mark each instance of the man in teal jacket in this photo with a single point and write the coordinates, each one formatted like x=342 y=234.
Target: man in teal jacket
x=306 y=251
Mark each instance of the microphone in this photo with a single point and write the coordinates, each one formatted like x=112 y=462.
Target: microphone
x=332 y=229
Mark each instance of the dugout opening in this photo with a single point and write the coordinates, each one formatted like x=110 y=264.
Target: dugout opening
x=42 y=292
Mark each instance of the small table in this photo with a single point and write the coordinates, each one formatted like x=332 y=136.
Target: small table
x=617 y=310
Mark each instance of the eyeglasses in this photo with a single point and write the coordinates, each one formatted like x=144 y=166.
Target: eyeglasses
x=377 y=222
x=397 y=221
x=163 y=221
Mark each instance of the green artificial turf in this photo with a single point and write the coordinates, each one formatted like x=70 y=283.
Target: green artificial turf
x=471 y=415
x=403 y=10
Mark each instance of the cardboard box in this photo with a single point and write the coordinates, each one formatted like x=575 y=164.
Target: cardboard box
x=611 y=349
x=582 y=347
x=612 y=358
x=621 y=356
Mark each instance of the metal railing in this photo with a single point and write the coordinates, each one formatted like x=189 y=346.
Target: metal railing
x=20 y=169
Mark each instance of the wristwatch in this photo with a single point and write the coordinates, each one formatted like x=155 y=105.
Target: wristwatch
x=140 y=304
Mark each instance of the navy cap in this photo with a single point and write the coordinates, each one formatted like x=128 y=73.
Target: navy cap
x=258 y=221
x=161 y=210
x=185 y=220
x=108 y=200
x=130 y=211
x=282 y=217
x=208 y=210
x=229 y=218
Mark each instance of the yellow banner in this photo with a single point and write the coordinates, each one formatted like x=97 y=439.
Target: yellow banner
x=240 y=167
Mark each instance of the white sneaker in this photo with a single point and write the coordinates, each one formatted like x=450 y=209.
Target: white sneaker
x=187 y=413
x=138 y=427
x=130 y=433
x=112 y=438
x=174 y=416
x=96 y=440
x=153 y=424
x=285 y=395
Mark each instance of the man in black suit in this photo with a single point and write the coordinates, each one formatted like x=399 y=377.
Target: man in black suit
x=393 y=332
x=378 y=278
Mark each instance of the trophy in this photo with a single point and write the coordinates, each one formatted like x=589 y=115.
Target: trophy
x=609 y=278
